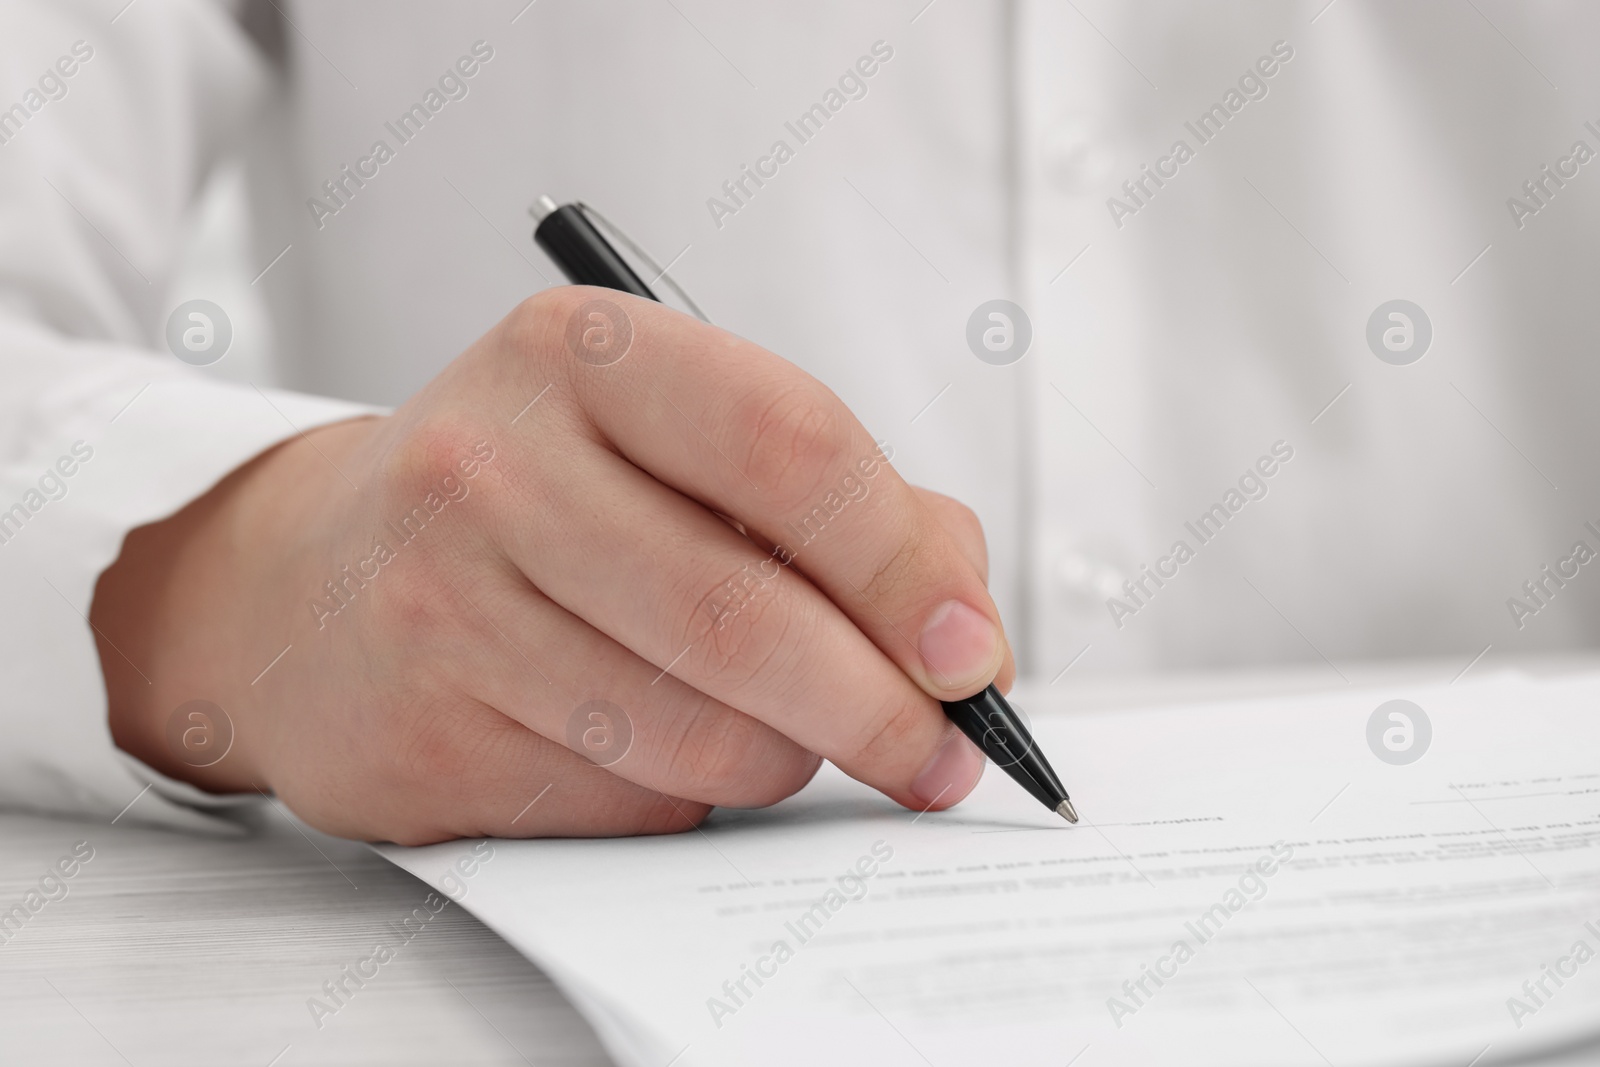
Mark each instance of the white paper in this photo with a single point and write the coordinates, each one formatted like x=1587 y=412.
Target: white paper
x=1405 y=909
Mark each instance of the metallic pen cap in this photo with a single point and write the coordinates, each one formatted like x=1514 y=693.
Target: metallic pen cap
x=541 y=207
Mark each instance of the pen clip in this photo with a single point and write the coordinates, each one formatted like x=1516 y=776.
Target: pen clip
x=661 y=272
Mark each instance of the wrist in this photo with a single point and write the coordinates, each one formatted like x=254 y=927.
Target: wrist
x=197 y=604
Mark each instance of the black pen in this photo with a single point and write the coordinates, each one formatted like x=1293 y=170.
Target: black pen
x=584 y=255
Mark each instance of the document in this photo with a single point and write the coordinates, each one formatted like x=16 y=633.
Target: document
x=1395 y=877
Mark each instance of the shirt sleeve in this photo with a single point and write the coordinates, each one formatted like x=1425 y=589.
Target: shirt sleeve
x=120 y=115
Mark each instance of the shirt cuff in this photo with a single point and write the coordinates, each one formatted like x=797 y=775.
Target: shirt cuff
x=127 y=442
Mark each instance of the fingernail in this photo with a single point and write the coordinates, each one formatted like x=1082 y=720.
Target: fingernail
x=951 y=774
x=959 y=646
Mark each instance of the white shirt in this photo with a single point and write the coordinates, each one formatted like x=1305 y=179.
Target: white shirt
x=1186 y=327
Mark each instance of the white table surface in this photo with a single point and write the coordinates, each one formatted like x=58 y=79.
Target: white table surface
x=176 y=950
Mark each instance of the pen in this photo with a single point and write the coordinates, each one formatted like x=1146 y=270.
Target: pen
x=585 y=256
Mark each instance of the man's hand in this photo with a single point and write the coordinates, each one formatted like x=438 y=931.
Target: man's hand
x=691 y=563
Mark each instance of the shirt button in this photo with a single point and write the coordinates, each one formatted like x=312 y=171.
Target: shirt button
x=1085 y=581
x=1070 y=158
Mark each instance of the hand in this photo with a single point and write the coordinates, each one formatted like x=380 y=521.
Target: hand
x=699 y=534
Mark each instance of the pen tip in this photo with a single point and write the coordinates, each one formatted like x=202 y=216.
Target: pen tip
x=1067 y=811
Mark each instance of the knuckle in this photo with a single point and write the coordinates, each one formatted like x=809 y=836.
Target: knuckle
x=905 y=569
x=752 y=640
x=886 y=738
x=417 y=609
x=433 y=749
x=535 y=325
x=538 y=331
x=424 y=467
x=726 y=757
x=795 y=434
x=713 y=751
x=442 y=750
